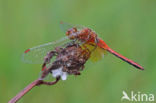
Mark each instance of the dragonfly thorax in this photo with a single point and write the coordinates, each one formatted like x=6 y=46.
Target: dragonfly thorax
x=82 y=35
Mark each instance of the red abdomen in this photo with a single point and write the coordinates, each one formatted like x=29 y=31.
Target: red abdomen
x=103 y=45
x=125 y=59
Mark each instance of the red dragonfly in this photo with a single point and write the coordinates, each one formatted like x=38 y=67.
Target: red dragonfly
x=86 y=37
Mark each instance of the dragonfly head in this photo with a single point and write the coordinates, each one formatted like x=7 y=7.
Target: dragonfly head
x=72 y=33
x=79 y=34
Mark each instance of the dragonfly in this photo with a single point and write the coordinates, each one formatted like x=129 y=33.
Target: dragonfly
x=85 y=36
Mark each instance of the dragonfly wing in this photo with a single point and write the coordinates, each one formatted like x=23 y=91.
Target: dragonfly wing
x=66 y=26
x=36 y=54
x=96 y=52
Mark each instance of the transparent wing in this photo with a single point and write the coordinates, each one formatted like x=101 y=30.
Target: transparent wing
x=36 y=54
x=66 y=26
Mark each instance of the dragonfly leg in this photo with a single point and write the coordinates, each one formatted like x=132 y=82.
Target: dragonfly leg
x=69 y=43
x=73 y=43
x=96 y=42
x=96 y=39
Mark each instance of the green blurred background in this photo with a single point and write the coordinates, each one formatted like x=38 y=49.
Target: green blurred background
x=127 y=26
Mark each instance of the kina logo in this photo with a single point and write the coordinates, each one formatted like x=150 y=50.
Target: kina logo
x=138 y=96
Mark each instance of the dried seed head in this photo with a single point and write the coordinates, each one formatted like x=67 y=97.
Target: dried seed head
x=69 y=60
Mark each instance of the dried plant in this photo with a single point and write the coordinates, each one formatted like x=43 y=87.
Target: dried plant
x=68 y=61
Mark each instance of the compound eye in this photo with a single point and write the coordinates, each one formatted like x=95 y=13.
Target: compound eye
x=68 y=33
x=74 y=29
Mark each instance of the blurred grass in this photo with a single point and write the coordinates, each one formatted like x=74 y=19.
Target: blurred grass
x=128 y=26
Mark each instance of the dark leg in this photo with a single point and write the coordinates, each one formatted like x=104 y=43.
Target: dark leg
x=73 y=42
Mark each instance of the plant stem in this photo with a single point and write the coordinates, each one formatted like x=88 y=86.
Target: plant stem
x=29 y=87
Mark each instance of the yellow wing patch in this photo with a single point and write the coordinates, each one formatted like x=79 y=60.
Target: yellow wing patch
x=96 y=52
